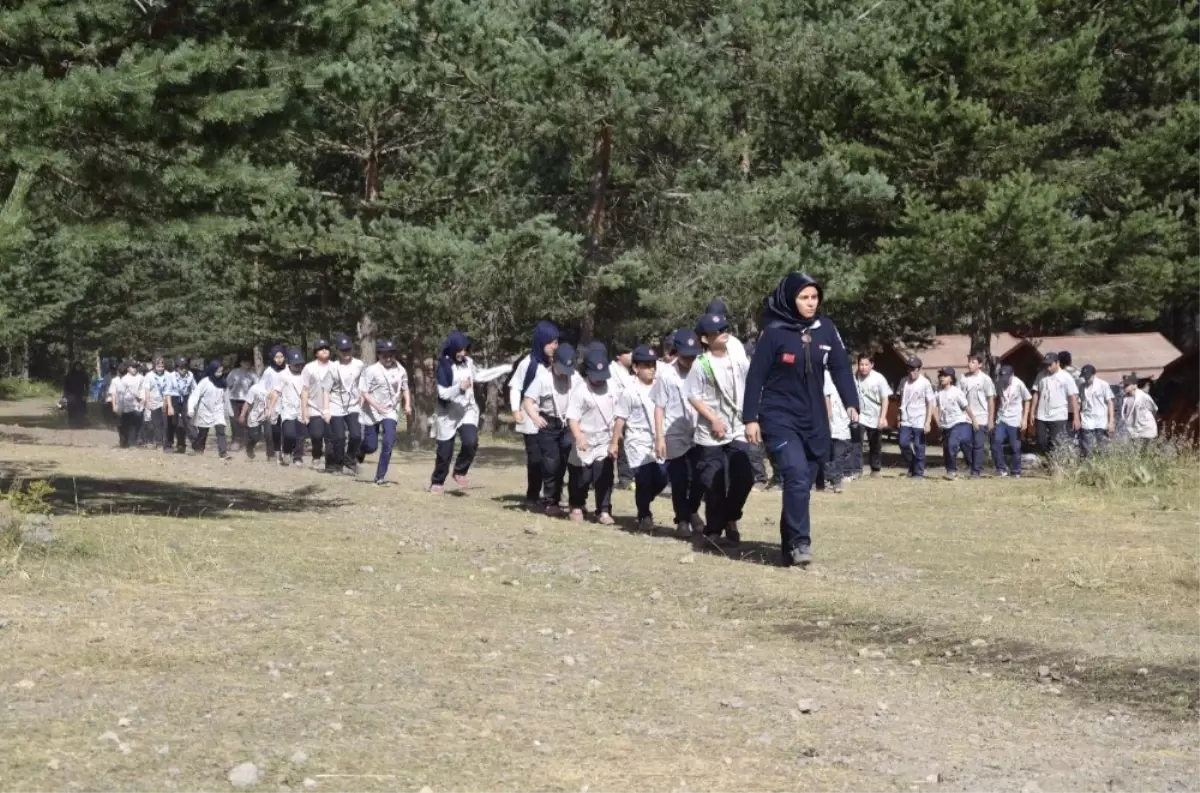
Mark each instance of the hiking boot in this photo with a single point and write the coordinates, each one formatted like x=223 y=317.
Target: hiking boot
x=553 y=511
x=697 y=523
x=250 y=454
x=460 y=480
x=733 y=537
x=577 y=516
x=802 y=555
x=605 y=519
x=683 y=530
x=952 y=475
x=646 y=524
x=437 y=490
x=351 y=469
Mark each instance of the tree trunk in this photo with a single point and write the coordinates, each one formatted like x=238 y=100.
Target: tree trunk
x=597 y=225
x=421 y=380
x=25 y=358
x=259 y=363
x=366 y=338
x=255 y=291
x=491 y=406
x=981 y=343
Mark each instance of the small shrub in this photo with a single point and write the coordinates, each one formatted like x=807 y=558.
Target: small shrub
x=32 y=498
x=1123 y=464
x=14 y=388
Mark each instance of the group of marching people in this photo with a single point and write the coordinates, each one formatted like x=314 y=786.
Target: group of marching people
x=689 y=418
x=692 y=418
x=345 y=409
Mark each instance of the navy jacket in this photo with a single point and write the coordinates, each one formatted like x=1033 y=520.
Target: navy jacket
x=781 y=395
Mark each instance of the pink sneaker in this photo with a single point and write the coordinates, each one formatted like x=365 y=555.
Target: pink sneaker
x=577 y=516
x=605 y=519
x=460 y=480
x=437 y=490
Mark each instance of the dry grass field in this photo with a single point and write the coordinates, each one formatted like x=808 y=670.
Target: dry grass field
x=193 y=615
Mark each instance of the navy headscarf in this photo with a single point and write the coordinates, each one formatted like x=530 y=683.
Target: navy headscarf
x=454 y=343
x=779 y=307
x=543 y=333
x=210 y=372
x=278 y=348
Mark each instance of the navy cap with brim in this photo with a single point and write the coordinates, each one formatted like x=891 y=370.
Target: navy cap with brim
x=385 y=345
x=345 y=343
x=914 y=362
x=295 y=357
x=713 y=323
x=687 y=345
x=320 y=344
x=564 y=367
x=947 y=370
x=1051 y=357
x=598 y=370
x=644 y=354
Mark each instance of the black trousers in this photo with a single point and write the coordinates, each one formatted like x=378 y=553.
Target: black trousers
x=238 y=431
x=533 y=469
x=1052 y=435
x=253 y=435
x=292 y=432
x=597 y=476
x=833 y=470
x=624 y=471
x=338 y=456
x=177 y=424
x=129 y=428
x=555 y=442
x=686 y=491
x=273 y=437
x=154 y=428
x=469 y=435
x=318 y=431
x=727 y=477
x=202 y=440
x=874 y=440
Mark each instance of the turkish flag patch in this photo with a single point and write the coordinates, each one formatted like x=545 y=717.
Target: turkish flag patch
x=788 y=358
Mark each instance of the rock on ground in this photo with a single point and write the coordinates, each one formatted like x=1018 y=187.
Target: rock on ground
x=243 y=775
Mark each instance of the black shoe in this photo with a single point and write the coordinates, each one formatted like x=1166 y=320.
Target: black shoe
x=802 y=555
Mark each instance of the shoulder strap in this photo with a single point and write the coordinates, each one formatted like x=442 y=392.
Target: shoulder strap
x=725 y=398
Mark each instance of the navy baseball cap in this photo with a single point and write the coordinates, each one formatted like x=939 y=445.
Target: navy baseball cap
x=385 y=345
x=320 y=344
x=295 y=356
x=644 y=354
x=564 y=359
x=1006 y=371
x=914 y=362
x=1129 y=379
x=344 y=342
x=947 y=370
x=595 y=364
x=181 y=361
x=1088 y=370
x=686 y=343
x=712 y=323
x=1051 y=357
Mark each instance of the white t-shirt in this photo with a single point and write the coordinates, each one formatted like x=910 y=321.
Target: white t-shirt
x=552 y=393
x=722 y=392
x=679 y=417
x=1138 y=415
x=257 y=397
x=386 y=385
x=621 y=379
x=1010 y=406
x=155 y=385
x=455 y=407
x=635 y=407
x=346 y=394
x=873 y=393
x=593 y=407
x=128 y=392
x=915 y=398
x=951 y=406
x=289 y=385
x=239 y=382
x=1093 y=404
x=318 y=379
x=839 y=419
x=978 y=388
x=526 y=425
x=1054 y=391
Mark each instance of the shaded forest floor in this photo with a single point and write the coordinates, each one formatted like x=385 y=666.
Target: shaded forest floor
x=193 y=615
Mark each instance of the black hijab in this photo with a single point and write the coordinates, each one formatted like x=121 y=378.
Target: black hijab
x=779 y=307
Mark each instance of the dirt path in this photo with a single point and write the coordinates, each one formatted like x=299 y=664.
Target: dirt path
x=199 y=614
